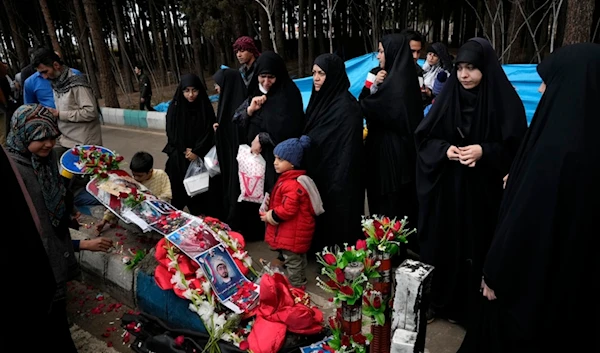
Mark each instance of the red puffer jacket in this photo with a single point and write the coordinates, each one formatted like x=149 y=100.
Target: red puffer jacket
x=291 y=204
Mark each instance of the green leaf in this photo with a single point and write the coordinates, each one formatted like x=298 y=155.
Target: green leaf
x=379 y=318
x=393 y=249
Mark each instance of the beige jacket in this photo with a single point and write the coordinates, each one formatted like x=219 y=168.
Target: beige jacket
x=78 y=117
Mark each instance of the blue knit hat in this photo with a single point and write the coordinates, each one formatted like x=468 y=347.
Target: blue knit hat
x=439 y=82
x=292 y=149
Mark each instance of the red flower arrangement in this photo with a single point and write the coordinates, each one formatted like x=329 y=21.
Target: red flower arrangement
x=95 y=161
x=342 y=343
x=384 y=234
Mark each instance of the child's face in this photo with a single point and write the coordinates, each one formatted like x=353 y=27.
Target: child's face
x=281 y=165
x=141 y=177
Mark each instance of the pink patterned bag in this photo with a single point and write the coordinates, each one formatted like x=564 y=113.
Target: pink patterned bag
x=252 y=175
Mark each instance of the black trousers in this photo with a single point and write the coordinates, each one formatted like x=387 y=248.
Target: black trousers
x=146 y=104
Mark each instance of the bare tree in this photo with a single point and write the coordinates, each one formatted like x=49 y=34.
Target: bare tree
x=331 y=5
x=301 y=63
x=269 y=7
x=127 y=66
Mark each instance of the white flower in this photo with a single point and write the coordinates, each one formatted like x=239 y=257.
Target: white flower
x=206 y=287
x=173 y=263
x=219 y=320
x=199 y=273
x=381 y=247
x=247 y=261
x=240 y=254
x=226 y=336
x=188 y=294
x=193 y=308
x=205 y=311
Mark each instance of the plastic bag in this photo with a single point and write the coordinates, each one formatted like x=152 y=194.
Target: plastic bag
x=196 y=178
x=212 y=162
x=251 y=174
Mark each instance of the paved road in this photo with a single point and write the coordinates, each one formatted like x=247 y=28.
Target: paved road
x=92 y=317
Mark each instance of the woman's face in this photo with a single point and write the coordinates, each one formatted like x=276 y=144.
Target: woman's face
x=432 y=59
x=468 y=75
x=381 y=56
x=318 y=77
x=191 y=93
x=42 y=148
x=267 y=80
x=217 y=88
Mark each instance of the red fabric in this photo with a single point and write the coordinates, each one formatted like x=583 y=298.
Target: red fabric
x=291 y=202
x=277 y=313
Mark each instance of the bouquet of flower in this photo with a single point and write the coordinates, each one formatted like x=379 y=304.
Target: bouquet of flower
x=374 y=306
x=132 y=199
x=385 y=234
x=342 y=343
x=95 y=161
x=335 y=262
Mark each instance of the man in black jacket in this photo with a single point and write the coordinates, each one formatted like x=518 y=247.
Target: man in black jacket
x=145 y=89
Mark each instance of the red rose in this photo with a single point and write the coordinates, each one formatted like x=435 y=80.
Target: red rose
x=332 y=284
x=339 y=275
x=361 y=244
x=329 y=259
x=123 y=195
x=244 y=345
x=359 y=338
x=379 y=233
x=347 y=290
x=386 y=220
x=397 y=226
x=377 y=302
x=75 y=151
x=345 y=341
x=119 y=158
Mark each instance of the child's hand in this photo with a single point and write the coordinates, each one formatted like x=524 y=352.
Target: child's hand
x=263 y=216
x=100 y=227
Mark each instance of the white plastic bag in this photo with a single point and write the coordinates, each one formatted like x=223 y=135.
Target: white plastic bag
x=196 y=178
x=252 y=175
x=212 y=162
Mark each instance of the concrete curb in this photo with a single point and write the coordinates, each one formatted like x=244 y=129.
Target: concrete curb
x=134 y=118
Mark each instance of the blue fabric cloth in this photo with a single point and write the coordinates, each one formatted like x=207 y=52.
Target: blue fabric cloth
x=39 y=90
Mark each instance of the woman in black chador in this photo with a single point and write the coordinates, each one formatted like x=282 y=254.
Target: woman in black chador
x=272 y=114
x=232 y=92
x=541 y=268
x=335 y=158
x=465 y=148
x=392 y=114
x=190 y=135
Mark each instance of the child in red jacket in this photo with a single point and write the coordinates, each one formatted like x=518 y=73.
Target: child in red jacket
x=292 y=208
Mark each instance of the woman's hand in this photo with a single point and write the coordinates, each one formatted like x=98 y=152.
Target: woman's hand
x=215 y=126
x=470 y=154
x=505 y=179
x=453 y=153
x=191 y=156
x=97 y=244
x=487 y=291
x=381 y=75
x=256 y=104
x=256 y=147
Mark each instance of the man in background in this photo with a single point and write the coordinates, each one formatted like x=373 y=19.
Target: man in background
x=145 y=89
x=246 y=52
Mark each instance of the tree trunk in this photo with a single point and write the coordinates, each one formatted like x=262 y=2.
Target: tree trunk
x=310 y=35
x=196 y=44
x=301 y=64
x=278 y=23
x=15 y=30
x=579 y=21
x=319 y=26
x=83 y=40
x=50 y=26
x=107 y=79
x=125 y=62
x=157 y=42
x=265 y=39
x=171 y=43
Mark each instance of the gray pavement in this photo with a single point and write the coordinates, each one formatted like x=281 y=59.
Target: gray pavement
x=442 y=336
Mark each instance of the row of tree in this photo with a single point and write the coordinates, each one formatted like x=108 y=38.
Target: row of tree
x=107 y=38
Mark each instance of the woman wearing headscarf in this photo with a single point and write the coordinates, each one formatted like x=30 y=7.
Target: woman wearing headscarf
x=392 y=114
x=232 y=92
x=30 y=145
x=335 y=158
x=190 y=135
x=438 y=61
x=272 y=114
x=542 y=266
x=465 y=147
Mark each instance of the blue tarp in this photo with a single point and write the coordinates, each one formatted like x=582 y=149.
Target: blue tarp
x=524 y=78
